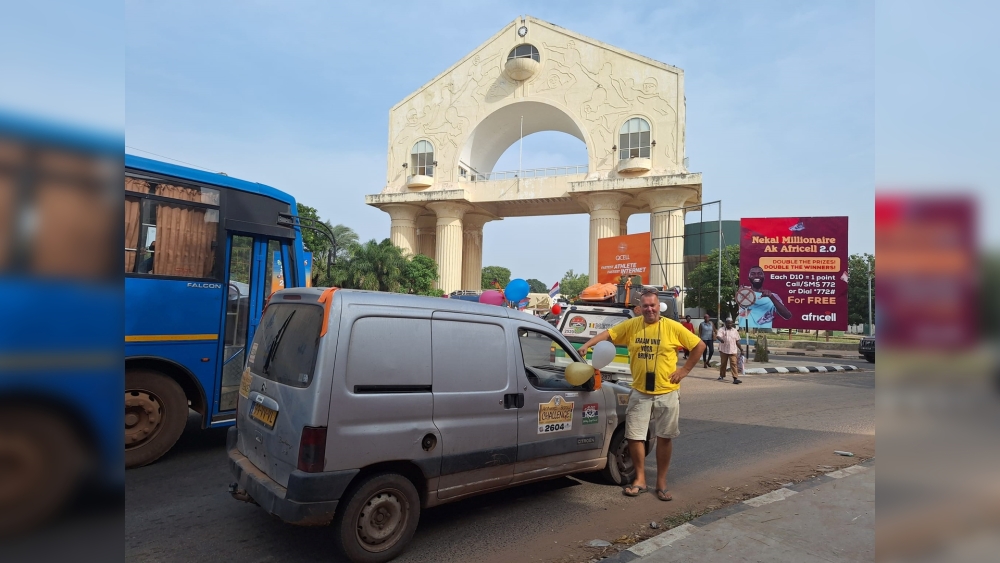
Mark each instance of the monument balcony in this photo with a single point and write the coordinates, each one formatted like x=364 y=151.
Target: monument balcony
x=521 y=68
x=419 y=181
x=530 y=173
x=636 y=165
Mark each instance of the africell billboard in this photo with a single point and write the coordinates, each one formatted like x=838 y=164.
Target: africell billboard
x=793 y=273
x=626 y=255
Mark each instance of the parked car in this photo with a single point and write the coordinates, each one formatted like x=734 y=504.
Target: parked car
x=361 y=408
x=866 y=348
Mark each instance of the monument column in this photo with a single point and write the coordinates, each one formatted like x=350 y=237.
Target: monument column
x=472 y=250
x=605 y=221
x=448 y=252
x=426 y=235
x=666 y=227
x=403 y=226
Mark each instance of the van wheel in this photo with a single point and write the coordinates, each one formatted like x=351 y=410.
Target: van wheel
x=377 y=518
x=619 y=469
x=156 y=411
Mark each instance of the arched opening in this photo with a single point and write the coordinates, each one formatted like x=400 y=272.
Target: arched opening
x=503 y=128
x=546 y=151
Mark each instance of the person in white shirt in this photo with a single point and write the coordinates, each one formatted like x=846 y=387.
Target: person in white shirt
x=729 y=338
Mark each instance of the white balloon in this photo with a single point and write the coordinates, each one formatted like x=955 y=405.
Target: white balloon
x=663 y=307
x=604 y=353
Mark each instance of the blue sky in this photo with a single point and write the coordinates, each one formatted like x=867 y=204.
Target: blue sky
x=794 y=108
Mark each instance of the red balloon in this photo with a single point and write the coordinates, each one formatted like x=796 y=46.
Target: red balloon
x=556 y=309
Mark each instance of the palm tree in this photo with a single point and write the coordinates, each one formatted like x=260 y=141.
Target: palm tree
x=375 y=266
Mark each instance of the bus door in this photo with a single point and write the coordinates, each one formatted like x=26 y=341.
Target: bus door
x=257 y=266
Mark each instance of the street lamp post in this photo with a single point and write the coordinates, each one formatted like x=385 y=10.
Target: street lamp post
x=870 y=325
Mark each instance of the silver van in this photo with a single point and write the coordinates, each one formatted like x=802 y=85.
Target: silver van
x=360 y=408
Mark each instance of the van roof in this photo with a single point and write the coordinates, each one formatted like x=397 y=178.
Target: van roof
x=400 y=300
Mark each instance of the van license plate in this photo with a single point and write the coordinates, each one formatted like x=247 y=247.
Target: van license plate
x=263 y=414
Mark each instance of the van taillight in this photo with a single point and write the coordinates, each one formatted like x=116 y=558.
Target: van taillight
x=312 y=449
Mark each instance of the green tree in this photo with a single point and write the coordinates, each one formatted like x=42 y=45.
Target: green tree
x=419 y=276
x=859 y=267
x=498 y=273
x=704 y=282
x=345 y=239
x=375 y=266
x=572 y=284
x=536 y=286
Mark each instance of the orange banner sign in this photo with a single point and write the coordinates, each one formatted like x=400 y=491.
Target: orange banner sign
x=622 y=256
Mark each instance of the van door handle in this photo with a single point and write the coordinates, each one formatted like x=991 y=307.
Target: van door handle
x=513 y=400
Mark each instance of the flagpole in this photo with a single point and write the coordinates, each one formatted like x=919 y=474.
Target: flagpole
x=520 y=154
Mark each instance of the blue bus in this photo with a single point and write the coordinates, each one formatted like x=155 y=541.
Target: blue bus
x=203 y=252
x=60 y=335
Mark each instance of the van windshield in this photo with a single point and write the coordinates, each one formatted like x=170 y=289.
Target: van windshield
x=285 y=345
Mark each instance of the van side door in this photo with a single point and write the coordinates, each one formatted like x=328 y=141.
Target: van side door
x=475 y=405
x=561 y=427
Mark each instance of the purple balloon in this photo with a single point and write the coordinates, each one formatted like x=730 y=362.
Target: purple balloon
x=491 y=297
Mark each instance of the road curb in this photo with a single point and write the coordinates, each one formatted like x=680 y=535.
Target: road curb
x=643 y=548
x=801 y=369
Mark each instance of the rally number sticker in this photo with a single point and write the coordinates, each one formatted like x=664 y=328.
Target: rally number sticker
x=555 y=415
x=245 y=383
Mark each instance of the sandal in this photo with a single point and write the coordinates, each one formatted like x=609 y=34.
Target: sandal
x=663 y=495
x=638 y=490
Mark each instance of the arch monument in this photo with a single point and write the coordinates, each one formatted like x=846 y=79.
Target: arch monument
x=445 y=138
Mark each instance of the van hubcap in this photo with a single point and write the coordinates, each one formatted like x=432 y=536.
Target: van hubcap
x=381 y=521
x=143 y=415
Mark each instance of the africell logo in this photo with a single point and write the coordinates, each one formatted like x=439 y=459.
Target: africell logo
x=828 y=317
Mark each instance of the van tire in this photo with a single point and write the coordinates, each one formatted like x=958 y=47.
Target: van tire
x=156 y=404
x=383 y=495
x=619 y=469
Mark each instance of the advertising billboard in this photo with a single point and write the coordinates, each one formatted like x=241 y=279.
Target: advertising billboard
x=793 y=273
x=623 y=256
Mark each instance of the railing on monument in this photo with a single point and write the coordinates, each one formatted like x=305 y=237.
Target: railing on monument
x=532 y=173
x=699 y=238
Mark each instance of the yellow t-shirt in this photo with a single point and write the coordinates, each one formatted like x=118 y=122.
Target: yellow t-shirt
x=652 y=347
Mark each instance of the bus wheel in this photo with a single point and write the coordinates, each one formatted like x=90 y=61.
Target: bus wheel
x=41 y=461
x=156 y=411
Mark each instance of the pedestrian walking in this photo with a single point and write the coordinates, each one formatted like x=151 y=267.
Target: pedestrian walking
x=687 y=324
x=707 y=333
x=656 y=382
x=729 y=346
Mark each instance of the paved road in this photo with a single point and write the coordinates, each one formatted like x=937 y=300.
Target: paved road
x=178 y=509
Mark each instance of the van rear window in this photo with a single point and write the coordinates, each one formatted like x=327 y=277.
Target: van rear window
x=285 y=345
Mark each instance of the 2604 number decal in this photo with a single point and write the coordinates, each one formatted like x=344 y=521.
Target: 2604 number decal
x=559 y=427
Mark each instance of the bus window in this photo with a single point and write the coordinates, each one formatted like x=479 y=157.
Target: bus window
x=274 y=273
x=165 y=238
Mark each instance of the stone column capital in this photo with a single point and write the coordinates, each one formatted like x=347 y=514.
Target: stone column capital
x=604 y=201
x=402 y=211
x=449 y=209
x=473 y=222
x=662 y=199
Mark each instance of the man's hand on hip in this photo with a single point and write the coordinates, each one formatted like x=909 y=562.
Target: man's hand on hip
x=678 y=375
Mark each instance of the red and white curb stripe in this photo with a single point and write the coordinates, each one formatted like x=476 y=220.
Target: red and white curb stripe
x=644 y=548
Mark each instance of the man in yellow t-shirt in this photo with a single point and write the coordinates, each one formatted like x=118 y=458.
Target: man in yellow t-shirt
x=652 y=342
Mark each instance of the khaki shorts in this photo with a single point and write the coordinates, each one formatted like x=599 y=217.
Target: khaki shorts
x=663 y=409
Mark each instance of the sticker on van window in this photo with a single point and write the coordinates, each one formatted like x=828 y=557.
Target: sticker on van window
x=245 y=383
x=555 y=416
x=590 y=413
x=253 y=352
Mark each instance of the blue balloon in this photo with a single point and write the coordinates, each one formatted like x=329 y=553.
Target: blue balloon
x=516 y=290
